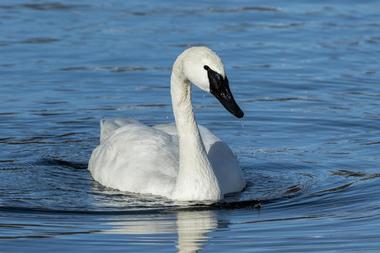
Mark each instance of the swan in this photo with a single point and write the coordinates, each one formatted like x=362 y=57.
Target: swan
x=182 y=161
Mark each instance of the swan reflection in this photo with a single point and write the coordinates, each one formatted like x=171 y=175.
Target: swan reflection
x=191 y=227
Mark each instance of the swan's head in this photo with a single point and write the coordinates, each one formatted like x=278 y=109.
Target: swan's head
x=205 y=69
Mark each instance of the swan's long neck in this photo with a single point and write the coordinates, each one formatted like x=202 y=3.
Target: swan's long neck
x=196 y=179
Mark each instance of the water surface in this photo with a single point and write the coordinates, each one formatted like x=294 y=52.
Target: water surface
x=306 y=75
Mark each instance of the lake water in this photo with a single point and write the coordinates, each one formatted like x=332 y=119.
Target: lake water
x=306 y=75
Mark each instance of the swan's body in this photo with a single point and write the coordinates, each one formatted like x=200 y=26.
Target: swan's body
x=183 y=161
x=153 y=158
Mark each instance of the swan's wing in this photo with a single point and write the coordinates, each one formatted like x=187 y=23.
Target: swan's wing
x=225 y=164
x=108 y=126
x=208 y=137
x=167 y=128
x=136 y=158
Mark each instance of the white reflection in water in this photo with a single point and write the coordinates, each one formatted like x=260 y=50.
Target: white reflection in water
x=192 y=228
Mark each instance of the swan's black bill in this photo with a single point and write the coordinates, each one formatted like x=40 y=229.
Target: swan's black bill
x=219 y=87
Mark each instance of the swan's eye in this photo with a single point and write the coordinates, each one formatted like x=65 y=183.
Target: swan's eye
x=206 y=67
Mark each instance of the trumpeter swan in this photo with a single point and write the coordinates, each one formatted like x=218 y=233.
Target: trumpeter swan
x=181 y=161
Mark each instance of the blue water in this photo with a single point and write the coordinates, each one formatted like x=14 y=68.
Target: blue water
x=305 y=74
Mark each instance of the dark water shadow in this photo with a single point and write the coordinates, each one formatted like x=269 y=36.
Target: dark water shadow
x=62 y=163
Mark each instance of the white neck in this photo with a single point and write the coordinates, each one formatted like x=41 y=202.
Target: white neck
x=196 y=179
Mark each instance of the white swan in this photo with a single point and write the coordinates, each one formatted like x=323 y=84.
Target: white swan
x=184 y=161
